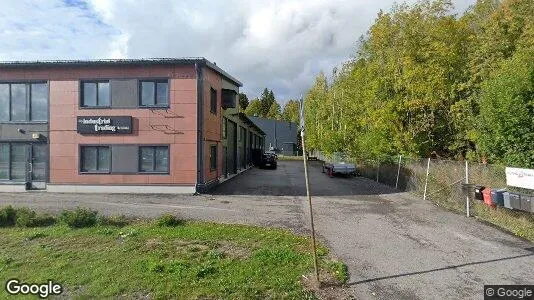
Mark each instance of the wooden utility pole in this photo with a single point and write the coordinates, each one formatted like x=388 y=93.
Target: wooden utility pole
x=305 y=159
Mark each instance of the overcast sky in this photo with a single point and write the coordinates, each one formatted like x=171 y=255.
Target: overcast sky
x=279 y=44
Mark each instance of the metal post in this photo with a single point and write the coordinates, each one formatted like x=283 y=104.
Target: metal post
x=466 y=183
x=426 y=180
x=310 y=205
x=398 y=172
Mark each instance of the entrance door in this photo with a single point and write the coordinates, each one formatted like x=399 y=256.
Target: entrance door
x=37 y=166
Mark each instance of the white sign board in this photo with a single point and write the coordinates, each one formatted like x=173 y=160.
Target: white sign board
x=523 y=178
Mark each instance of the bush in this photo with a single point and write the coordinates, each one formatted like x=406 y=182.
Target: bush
x=117 y=220
x=26 y=217
x=78 y=218
x=8 y=215
x=168 y=221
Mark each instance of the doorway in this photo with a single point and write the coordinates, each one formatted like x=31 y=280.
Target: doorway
x=37 y=166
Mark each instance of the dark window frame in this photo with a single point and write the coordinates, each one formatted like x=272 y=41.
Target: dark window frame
x=9 y=178
x=155 y=81
x=213 y=159
x=213 y=100
x=80 y=167
x=96 y=81
x=28 y=102
x=154 y=159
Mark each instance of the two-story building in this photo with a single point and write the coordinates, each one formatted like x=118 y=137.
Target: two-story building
x=118 y=126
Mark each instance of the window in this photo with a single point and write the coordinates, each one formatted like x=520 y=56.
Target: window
x=4 y=161
x=23 y=102
x=39 y=102
x=95 y=94
x=213 y=157
x=95 y=159
x=154 y=93
x=18 y=102
x=154 y=159
x=213 y=93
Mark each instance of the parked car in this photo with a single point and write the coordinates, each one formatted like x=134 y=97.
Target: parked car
x=338 y=165
x=269 y=159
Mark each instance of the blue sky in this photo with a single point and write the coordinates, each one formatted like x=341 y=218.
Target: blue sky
x=279 y=44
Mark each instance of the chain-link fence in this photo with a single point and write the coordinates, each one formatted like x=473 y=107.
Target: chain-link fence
x=444 y=184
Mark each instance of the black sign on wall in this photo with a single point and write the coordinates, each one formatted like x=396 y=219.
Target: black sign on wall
x=104 y=125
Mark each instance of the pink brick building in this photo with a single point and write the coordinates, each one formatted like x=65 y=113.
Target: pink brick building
x=116 y=126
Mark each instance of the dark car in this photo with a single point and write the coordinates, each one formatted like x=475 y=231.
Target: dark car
x=269 y=159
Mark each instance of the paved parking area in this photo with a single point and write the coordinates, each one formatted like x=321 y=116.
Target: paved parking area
x=396 y=245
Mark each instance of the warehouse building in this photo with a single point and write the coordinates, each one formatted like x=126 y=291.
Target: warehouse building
x=280 y=136
x=121 y=126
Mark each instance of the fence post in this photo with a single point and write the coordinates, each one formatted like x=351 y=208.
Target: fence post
x=398 y=172
x=466 y=183
x=426 y=180
x=377 y=170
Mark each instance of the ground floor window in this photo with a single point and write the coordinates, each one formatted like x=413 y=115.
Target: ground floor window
x=213 y=157
x=13 y=161
x=154 y=159
x=95 y=159
x=23 y=161
x=4 y=161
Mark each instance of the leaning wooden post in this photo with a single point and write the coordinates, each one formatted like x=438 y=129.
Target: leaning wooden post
x=304 y=158
x=426 y=180
x=466 y=188
x=398 y=173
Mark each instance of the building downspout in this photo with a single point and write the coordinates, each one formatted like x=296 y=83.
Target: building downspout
x=200 y=128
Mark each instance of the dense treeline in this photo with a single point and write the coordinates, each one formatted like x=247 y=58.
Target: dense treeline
x=267 y=107
x=425 y=82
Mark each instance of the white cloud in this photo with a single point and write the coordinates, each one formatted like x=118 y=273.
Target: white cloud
x=279 y=44
x=51 y=30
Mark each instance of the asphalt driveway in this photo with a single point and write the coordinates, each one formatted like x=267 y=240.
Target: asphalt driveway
x=395 y=245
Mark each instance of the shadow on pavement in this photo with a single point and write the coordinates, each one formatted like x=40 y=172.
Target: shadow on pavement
x=442 y=269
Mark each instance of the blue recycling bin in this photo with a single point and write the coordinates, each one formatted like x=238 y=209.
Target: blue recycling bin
x=497 y=196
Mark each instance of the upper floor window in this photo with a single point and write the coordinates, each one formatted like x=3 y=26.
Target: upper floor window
x=23 y=102
x=95 y=94
x=154 y=93
x=213 y=102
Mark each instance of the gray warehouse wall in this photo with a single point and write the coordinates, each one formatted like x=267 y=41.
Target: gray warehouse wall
x=279 y=134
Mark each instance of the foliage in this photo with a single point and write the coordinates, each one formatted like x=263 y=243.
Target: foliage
x=267 y=100
x=23 y=217
x=265 y=107
x=168 y=220
x=243 y=101
x=29 y=218
x=507 y=112
x=78 y=218
x=274 y=112
x=418 y=82
x=291 y=111
x=8 y=216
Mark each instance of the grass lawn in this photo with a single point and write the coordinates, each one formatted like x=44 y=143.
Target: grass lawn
x=144 y=260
